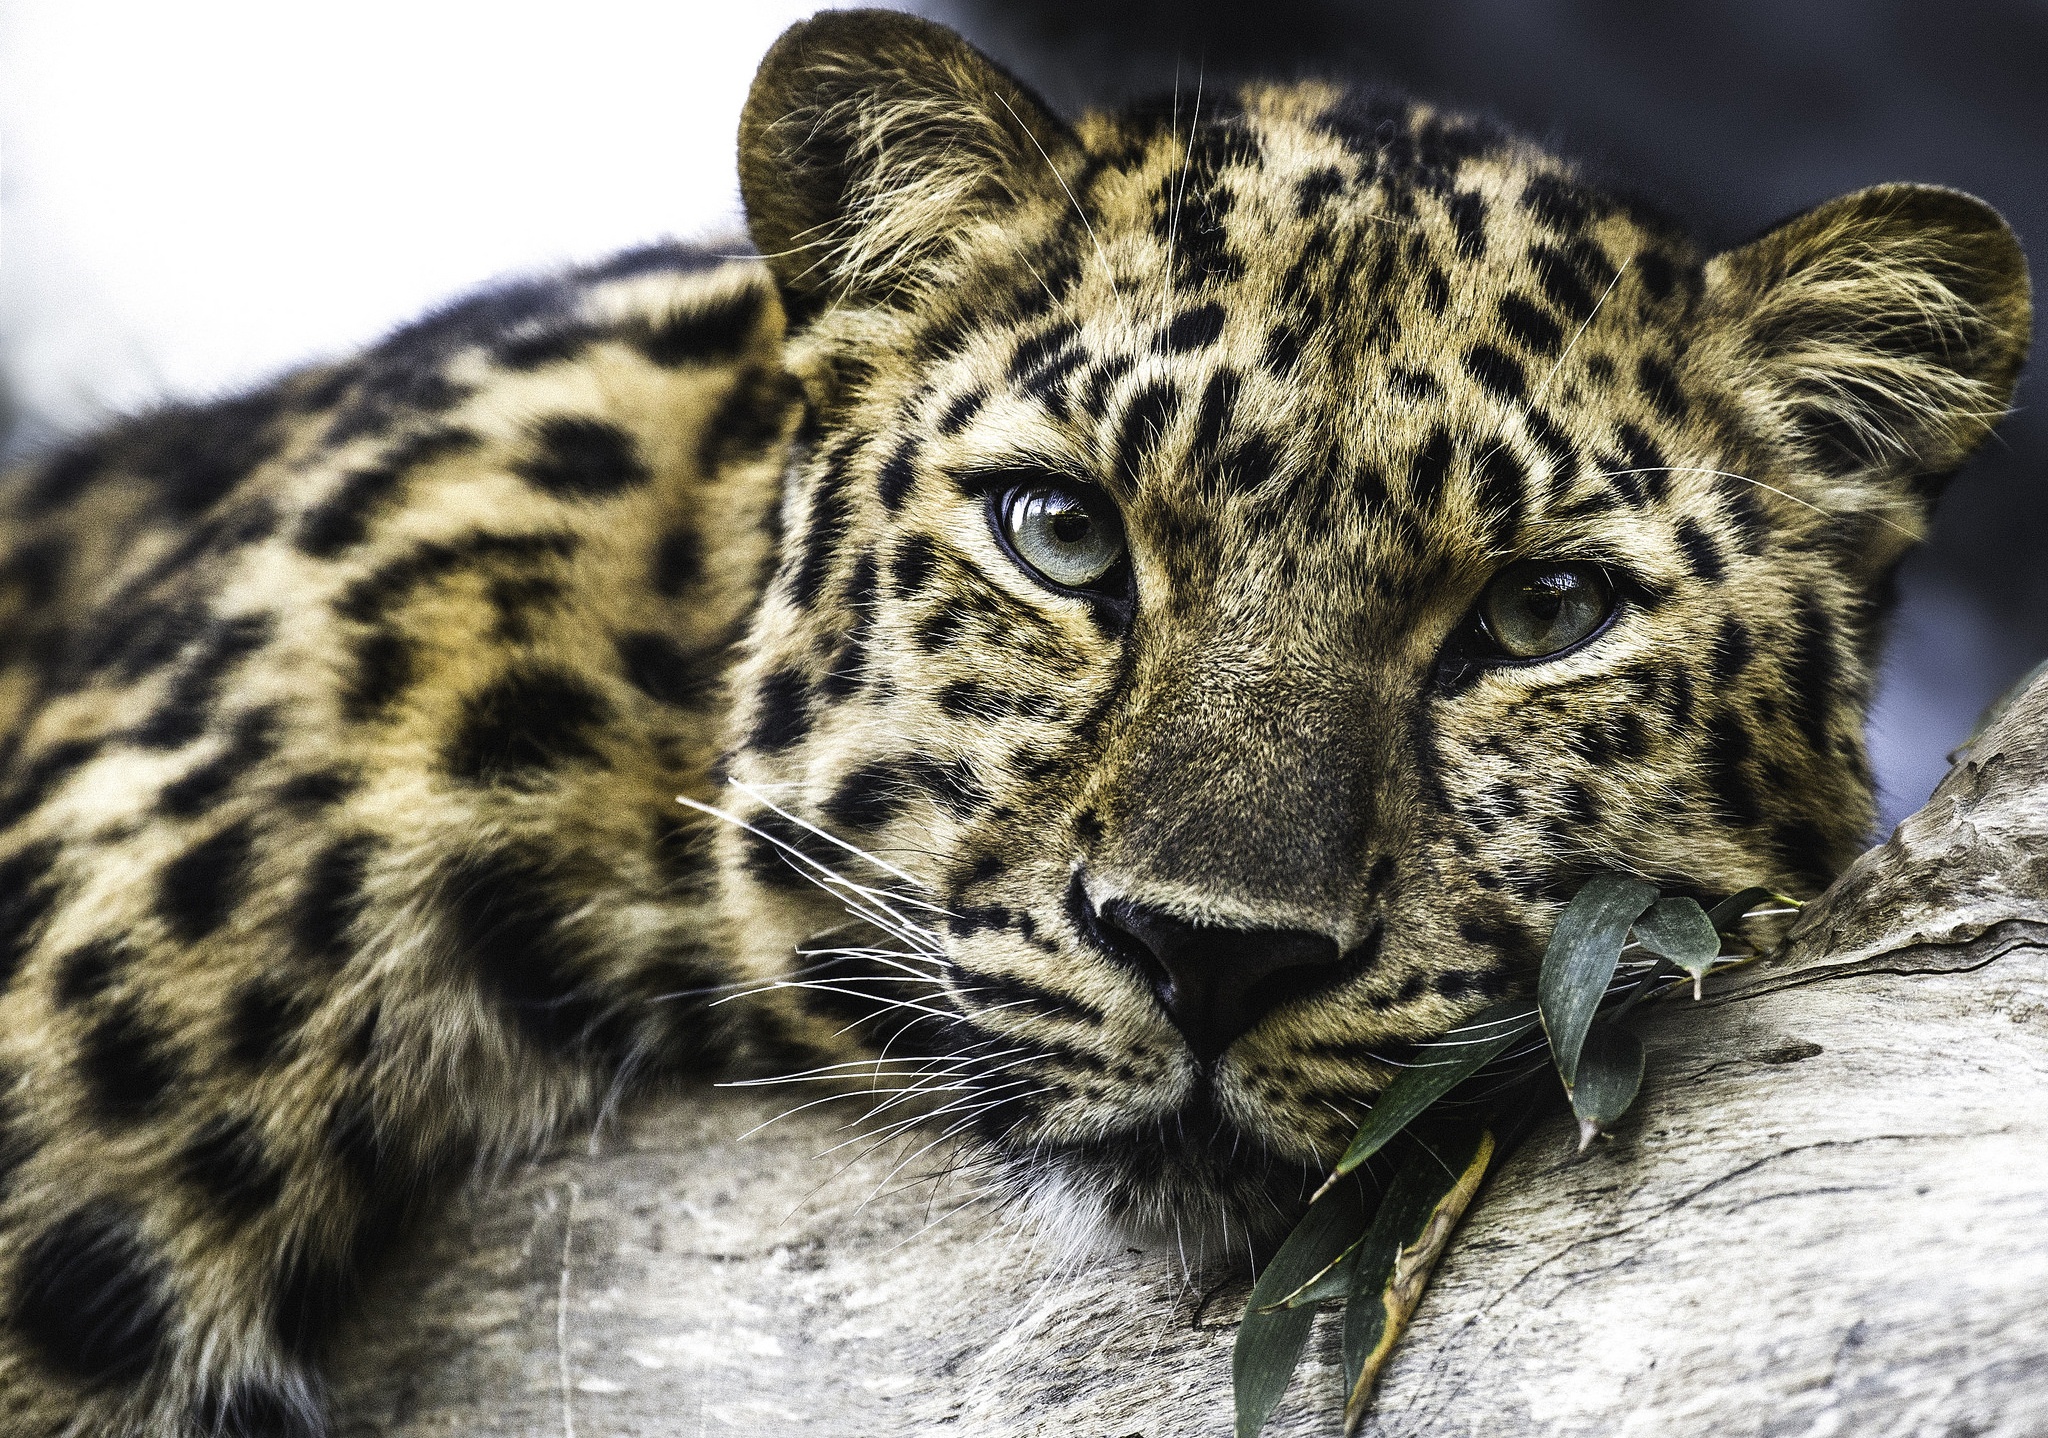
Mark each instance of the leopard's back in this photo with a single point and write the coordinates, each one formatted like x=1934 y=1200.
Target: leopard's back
x=339 y=840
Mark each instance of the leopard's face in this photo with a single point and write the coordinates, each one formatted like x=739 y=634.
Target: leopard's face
x=1233 y=596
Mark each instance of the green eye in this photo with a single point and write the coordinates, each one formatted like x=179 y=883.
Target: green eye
x=1070 y=536
x=1535 y=609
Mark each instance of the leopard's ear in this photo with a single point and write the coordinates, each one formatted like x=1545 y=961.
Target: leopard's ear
x=872 y=146
x=1878 y=335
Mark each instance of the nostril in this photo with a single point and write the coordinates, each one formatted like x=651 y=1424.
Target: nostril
x=1128 y=943
x=1100 y=927
x=1285 y=986
x=1214 y=982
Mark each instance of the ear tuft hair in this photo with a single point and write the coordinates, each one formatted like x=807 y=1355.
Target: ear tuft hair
x=1880 y=334
x=870 y=144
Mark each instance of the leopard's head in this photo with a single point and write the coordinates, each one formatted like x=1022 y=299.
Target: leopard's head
x=1254 y=555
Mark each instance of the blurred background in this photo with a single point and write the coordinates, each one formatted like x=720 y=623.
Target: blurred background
x=196 y=195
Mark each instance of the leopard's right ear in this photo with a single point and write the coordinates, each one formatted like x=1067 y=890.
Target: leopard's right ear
x=874 y=145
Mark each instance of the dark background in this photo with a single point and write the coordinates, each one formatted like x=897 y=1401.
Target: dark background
x=1732 y=115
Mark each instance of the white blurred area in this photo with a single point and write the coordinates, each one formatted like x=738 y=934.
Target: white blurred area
x=195 y=194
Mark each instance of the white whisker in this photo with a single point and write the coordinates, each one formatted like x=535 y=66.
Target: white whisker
x=1100 y=254
x=1584 y=325
x=807 y=1106
x=1187 y=163
x=883 y=1002
x=854 y=849
x=828 y=1072
x=1730 y=474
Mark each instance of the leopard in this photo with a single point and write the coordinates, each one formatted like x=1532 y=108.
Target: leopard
x=1134 y=623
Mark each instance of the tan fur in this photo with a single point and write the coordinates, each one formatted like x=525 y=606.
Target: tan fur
x=339 y=845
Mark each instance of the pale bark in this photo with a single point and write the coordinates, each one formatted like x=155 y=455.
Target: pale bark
x=1828 y=1214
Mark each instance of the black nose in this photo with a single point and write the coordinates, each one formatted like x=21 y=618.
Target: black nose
x=1215 y=983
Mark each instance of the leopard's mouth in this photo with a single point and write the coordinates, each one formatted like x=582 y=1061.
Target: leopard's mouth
x=1190 y=1182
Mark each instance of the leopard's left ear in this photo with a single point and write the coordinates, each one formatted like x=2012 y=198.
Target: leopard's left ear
x=1879 y=335
x=874 y=145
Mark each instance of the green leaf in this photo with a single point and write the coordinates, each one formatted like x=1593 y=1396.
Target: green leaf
x=1332 y=1282
x=1580 y=962
x=1730 y=911
x=1271 y=1336
x=1681 y=931
x=1430 y=1192
x=1610 y=1073
x=1441 y=1065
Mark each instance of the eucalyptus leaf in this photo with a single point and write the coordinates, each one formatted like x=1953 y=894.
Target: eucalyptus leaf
x=1580 y=962
x=1429 y=1194
x=1441 y=1065
x=1681 y=931
x=1731 y=911
x=1610 y=1074
x=1271 y=1336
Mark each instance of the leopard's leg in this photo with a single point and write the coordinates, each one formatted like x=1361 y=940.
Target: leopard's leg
x=197 y=1173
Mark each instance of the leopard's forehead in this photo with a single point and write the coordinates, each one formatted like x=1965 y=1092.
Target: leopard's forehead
x=1303 y=315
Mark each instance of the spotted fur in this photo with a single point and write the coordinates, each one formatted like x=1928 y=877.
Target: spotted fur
x=344 y=721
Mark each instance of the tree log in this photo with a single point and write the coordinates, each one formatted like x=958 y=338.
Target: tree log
x=1827 y=1214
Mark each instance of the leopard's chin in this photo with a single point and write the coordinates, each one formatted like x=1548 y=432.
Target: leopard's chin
x=1192 y=1185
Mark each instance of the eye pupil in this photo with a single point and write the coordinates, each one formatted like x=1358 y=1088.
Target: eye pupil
x=1535 y=609
x=1066 y=533
x=1543 y=604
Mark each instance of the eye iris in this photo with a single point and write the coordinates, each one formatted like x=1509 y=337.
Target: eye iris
x=1534 y=610
x=1071 y=538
